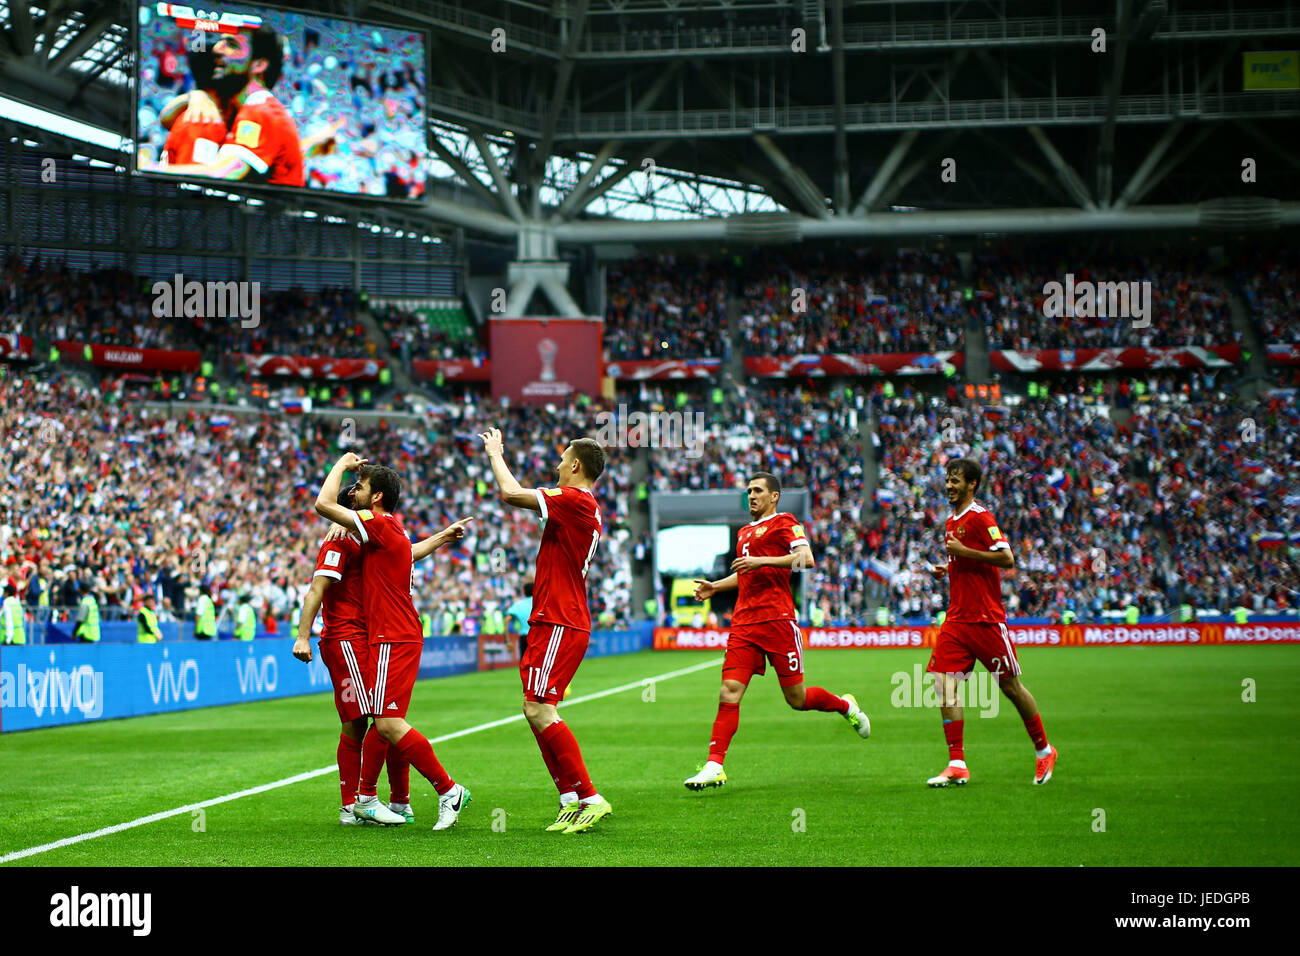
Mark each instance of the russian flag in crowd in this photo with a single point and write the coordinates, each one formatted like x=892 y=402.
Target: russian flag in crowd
x=1059 y=479
x=878 y=570
x=1270 y=539
x=884 y=496
x=1253 y=465
x=219 y=422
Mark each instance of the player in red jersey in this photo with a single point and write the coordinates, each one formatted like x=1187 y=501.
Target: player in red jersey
x=975 y=628
x=763 y=625
x=261 y=143
x=393 y=630
x=560 y=625
x=344 y=648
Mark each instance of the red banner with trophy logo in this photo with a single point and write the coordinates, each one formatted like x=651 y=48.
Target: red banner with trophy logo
x=545 y=360
x=883 y=363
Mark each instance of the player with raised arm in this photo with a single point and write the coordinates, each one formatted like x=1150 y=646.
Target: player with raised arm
x=393 y=630
x=336 y=592
x=560 y=623
x=975 y=628
x=763 y=625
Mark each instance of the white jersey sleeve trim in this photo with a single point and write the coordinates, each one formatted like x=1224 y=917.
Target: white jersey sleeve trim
x=998 y=545
x=361 y=527
x=541 y=503
x=323 y=573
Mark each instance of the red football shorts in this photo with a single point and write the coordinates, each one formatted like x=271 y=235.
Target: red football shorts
x=347 y=661
x=550 y=660
x=960 y=645
x=394 y=668
x=751 y=646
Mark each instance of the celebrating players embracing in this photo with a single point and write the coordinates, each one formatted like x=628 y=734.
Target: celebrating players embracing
x=763 y=625
x=560 y=625
x=393 y=628
x=975 y=628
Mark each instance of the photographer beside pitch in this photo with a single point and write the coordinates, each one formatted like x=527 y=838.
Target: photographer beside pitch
x=975 y=627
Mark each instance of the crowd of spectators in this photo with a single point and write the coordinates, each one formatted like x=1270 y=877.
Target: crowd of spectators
x=666 y=306
x=412 y=337
x=1189 y=302
x=1271 y=292
x=1163 y=510
x=108 y=496
x=798 y=303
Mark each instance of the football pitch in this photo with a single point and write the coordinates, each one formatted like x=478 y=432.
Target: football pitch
x=1162 y=763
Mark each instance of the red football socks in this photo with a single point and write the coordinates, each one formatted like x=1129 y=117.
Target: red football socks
x=415 y=747
x=1036 y=733
x=724 y=728
x=952 y=730
x=399 y=777
x=817 y=698
x=568 y=756
x=552 y=765
x=349 y=758
x=373 y=751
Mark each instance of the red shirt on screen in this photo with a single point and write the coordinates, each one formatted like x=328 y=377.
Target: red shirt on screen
x=763 y=594
x=189 y=142
x=974 y=588
x=570 y=534
x=386 y=579
x=268 y=140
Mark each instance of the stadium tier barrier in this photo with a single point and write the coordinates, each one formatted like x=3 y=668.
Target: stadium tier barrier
x=44 y=685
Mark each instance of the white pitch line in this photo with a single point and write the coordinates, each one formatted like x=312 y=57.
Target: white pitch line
x=312 y=774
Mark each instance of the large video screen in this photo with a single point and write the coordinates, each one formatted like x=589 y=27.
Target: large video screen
x=263 y=95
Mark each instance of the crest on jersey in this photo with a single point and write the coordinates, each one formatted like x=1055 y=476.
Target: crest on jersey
x=365 y=515
x=248 y=133
x=760 y=532
x=961 y=531
x=332 y=559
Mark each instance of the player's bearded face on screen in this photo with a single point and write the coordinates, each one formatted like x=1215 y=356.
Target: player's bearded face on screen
x=232 y=62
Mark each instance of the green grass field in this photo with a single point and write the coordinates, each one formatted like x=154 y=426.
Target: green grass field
x=1159 y=739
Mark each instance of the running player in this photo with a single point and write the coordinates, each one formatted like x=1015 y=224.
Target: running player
x=763 y=625
x=344 y=649
x=393 y=628
x=975 y=628
x=560 y=623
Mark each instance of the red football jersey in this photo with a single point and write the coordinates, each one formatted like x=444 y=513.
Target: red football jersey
x=193 y=142
x=570 y=534
x=764 y=593
x=343 y=608
x=974 y=588
x=267 y=138
x=386 y=579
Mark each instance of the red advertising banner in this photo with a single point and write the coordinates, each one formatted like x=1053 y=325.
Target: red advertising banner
x=883 y=363
x=545 y=360
x=15 y=347
x=123 y=356
x=642 y=369
x=1046 y=635
x=1102 y=360
x=312 y=366
x=1280 y=353
x=459 y=370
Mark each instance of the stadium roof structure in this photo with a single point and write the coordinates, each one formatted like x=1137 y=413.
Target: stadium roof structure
x=632 y=121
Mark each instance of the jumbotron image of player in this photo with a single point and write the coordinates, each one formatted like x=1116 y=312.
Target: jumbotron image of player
x=764 y=626
x=261 y=141
x=975 y=628
x=560 y=623
x=336 y=592
x=395 y=635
